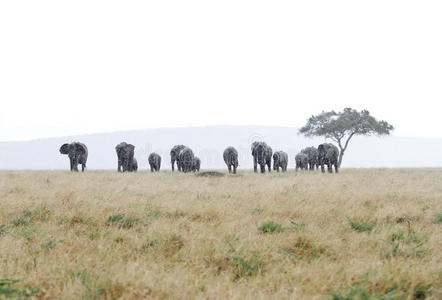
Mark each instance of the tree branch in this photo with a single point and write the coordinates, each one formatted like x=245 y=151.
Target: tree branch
x=348 y=140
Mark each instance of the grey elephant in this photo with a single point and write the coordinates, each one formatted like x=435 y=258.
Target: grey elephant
x=196 y=164
x=262 y=155
x=126 y=159
x=154 y=162
x=185 y=159
x=328 y=154
x=301 y=161
x=312 y=155
x=230 y=156
x=174 y=155
x=280 y=160
x=77 y=153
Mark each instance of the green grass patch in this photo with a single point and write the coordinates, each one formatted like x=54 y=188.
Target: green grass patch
x=270 y=227
x=438 y=218
x=361 y=225
x=115 y=218
x=366 y=290
x=123 y=221
x=246 y=266
x=29 y=216
x=10 y=290
x=257 y=210
x=49 y=245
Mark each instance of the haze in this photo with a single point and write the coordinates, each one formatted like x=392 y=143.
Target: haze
x=81 y=67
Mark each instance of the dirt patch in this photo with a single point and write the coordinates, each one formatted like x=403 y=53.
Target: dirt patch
x=210 y=174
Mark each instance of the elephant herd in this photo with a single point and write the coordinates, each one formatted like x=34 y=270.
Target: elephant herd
x=309 y=158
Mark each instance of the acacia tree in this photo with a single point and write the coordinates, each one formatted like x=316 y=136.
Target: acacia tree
x=342 y=126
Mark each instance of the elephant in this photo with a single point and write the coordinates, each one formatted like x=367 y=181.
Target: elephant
x=280 y=160
x=185 y=159
x=77 y=153
x=301 y=161
x=126 y=159
x=230 y=156
x=312 y=155
x=328 y=154
x=262 y=155
x=154 y=162
x=134 y=165
x=196 y=164
x=174 y=152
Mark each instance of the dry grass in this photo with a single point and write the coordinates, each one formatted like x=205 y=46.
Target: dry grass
x=363 y=234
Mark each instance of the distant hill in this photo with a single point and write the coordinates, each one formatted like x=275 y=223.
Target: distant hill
x=209 y=142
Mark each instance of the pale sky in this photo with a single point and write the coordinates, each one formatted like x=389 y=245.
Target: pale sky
x=76 y=67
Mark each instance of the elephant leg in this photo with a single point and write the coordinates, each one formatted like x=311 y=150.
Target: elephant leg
x=329 y=167
x=230 y=169
x=263 y=168
x=172 y=162
x=336 y=168
x=72 y=164
x=152 y=168
x=269 y=166
x=83 y=166
x=255 y=165
x=322 y=168
x=277 y=169
x=234 y=169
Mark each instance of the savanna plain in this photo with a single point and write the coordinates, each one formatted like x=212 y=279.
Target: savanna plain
x=359 y=234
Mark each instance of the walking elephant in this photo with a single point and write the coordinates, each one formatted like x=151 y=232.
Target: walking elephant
x=312 y=156
x=77 y=153
x=230 y=157
x=185 y=159
x=301 y=161
x=328 y=154
x=196 y=164
x=126 y=159
x=154 y=162
x=174 y=156
x=262 y=155
x=280 y=160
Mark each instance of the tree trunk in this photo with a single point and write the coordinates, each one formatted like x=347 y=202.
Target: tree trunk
x=341 y=154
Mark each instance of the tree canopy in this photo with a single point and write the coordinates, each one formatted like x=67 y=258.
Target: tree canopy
x=342 y=126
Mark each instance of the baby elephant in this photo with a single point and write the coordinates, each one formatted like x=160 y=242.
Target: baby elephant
x=196 y=163
x=154 y=162
x=230 y=156
x=280 y=160
x=301 y=161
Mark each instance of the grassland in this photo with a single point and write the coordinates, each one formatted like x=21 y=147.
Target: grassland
x=362 y=234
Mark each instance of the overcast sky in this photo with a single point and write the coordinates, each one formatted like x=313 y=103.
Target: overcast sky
x=74 y=67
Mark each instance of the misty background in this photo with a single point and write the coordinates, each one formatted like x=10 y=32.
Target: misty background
x=209 y=143
x=70 y=70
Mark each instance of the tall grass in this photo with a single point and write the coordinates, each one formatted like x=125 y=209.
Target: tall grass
x=361 y=234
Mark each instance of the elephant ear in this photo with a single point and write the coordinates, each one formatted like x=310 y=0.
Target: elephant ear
x=120 y=146
x=80 y=148
x=64 y=149
x=130 y=147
